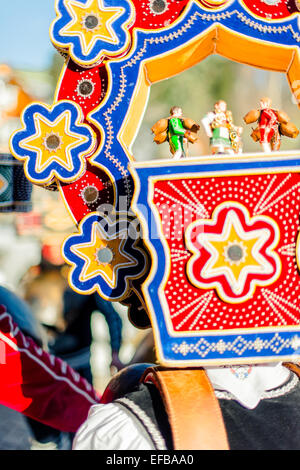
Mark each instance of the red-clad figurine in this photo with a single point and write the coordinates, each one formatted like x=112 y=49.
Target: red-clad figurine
x=268 y=126
x=272 y=124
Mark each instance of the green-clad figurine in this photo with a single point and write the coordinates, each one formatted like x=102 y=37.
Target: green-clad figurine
x=176 y=133
x=177 y=130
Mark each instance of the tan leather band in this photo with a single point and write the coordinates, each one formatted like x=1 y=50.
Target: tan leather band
x=192 y=407
x=293 y=367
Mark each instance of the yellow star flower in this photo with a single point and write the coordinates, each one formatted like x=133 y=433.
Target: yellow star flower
x=103 y=256
x=53 y=141
x=235 y=252
x=92 y=22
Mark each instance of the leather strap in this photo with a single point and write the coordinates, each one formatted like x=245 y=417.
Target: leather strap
x=194 y=413
x=293 y=367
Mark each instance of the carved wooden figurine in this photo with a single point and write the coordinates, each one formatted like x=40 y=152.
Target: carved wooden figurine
x=177 y=130
x=271 y=125
x=225 y=137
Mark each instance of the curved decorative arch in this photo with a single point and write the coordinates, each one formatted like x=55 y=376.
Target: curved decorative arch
x=216 y=40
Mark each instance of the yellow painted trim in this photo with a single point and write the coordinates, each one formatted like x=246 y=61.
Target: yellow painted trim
x=209 y=159
x=182 y=58
x=135 y=113
x=250 y=51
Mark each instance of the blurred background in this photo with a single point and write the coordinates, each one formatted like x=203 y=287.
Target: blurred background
x=197 y=89
x=33 y=228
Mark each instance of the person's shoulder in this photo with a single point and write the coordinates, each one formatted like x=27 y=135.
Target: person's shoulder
x=111 y=427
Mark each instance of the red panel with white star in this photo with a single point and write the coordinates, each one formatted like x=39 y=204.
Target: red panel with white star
x=272 y=203
x=271 y=9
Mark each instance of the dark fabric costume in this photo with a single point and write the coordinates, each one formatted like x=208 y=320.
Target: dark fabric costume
x=273 y=425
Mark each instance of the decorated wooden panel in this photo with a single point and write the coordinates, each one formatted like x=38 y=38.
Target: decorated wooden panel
x=224 y=242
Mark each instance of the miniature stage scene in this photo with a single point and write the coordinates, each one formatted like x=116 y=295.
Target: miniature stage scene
x=150 y=199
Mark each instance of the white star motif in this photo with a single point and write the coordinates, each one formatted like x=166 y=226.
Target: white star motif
x=262 y=266
x=247 y=257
